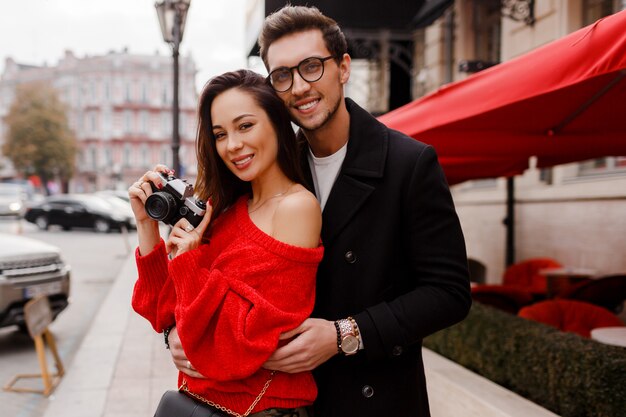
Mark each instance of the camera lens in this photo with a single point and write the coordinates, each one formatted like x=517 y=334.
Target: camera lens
x=160 y=206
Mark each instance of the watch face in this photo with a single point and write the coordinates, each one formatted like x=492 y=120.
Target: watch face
x=349 y=344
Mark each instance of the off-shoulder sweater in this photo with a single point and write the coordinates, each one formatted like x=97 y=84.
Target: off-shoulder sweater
x=230 y=300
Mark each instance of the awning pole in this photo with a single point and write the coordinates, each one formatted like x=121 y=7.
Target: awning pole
x=509 y=221
x=556 y=129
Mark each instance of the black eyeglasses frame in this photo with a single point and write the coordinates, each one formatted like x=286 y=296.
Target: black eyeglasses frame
x=297 y=68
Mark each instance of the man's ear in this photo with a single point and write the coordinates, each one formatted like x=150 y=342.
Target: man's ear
x=344 y=69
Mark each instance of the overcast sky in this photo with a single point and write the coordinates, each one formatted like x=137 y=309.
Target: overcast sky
x=39 y=31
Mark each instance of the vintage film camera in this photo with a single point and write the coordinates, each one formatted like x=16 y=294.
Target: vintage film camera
x=174 y=201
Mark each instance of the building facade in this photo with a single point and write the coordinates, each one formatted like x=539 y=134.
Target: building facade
x=119 y=106
x=574 y=213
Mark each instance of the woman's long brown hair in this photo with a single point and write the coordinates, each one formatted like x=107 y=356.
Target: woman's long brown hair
x=215 y=180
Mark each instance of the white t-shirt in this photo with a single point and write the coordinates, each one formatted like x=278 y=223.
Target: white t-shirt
x=325 y=171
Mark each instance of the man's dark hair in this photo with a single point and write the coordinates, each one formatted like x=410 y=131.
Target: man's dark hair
x=214 y=179
x=294 y=19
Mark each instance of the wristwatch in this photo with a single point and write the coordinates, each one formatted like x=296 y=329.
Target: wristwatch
x=348 y=336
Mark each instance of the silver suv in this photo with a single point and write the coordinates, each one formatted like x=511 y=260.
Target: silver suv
x=12 y=200
x=29 y=268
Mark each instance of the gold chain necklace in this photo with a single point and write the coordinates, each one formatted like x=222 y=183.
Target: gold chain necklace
x=268 y=199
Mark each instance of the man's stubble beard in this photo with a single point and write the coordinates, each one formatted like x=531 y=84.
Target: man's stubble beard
x=327 y=117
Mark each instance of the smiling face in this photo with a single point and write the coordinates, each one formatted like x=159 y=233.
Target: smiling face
x=312 y=105
x=244 y=136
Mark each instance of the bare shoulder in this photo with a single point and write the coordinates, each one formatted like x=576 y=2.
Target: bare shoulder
x=300 y=202
x=298 y=219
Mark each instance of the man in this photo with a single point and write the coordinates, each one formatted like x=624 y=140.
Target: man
x=395 y=268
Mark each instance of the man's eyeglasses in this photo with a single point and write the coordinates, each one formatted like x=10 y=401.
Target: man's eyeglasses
x=310 y=69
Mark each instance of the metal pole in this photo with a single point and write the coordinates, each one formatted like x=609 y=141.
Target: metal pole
x=175 y=110
x=509 y=221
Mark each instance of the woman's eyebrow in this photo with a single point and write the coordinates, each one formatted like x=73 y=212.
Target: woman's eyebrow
x=236 y=119
x=242 y=116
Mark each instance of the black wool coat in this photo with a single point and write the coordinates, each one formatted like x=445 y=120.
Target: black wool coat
x=395 y=260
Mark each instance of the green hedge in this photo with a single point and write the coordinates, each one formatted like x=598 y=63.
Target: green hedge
x=563 y=372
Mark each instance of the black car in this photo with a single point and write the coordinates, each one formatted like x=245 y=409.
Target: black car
x=79 y=211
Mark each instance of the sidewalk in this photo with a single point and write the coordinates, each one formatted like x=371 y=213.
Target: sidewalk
x=121 y=368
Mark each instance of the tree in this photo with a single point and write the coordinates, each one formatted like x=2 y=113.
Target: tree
x=39 y=140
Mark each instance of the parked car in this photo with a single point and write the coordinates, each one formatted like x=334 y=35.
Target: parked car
x=113 y=198
x=29 y=268
x=122 y=195
x=79 y=211
x=12 y=200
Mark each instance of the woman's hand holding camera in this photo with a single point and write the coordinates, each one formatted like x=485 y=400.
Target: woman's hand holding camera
x=142 y=189
x=147 y=228
x=184 y=237
x=176 y=207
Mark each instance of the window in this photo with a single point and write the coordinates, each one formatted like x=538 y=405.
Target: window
x=164 y=157
x=183 y=157
x=165 y=95
x=481 y=184
x=603 y=166
x=128 y=153
x=487 y=27
x=546 y=175
x=106 y=120
x=93 y=123
x=84 y=159
x=128 y=121
x=592 y=11
x=108 y=157
x=166 y=123
x=81 y=123
x=93 y=151
x=145 y=156
x=596 y=9
x=143 y=121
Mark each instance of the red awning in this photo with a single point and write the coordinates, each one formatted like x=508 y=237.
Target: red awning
x=562 y=102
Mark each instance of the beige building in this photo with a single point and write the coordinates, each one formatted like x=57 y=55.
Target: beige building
x=119 y=106
x=574 y=213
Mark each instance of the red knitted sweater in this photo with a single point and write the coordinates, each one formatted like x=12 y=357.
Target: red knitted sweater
x=230 y=301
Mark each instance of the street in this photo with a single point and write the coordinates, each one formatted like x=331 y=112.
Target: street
x=95 y=260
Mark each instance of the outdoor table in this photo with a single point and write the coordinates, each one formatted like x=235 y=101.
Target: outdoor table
x=559 y=279
x=610 y=335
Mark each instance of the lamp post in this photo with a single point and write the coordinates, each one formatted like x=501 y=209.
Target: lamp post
x=172 y=15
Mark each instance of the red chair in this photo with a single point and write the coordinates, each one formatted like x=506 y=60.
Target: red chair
x=608 y=292
x=525 y=275
x=502 y=297
x=522 y=284
x=570 y=316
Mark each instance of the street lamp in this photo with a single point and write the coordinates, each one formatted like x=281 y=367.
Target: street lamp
x=172 y=15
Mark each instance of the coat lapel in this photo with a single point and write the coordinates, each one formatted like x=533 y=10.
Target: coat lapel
x=365 y=159
x=345 y=200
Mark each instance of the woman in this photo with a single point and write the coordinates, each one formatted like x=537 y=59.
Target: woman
x=246 y=274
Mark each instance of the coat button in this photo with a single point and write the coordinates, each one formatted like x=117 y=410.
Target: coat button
x=367 y=391
x=397 y=351
x=350 y=257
